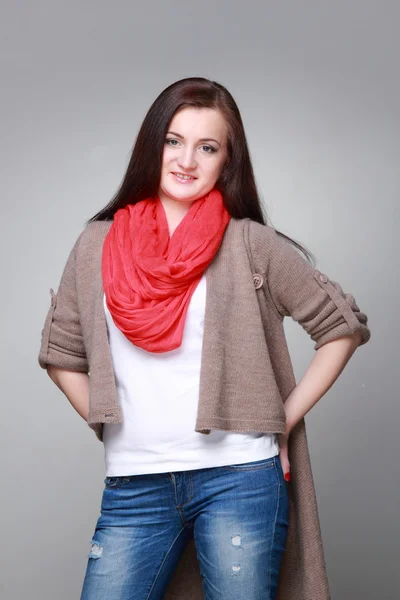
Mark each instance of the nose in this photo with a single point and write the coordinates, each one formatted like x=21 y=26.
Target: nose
x=186 y=159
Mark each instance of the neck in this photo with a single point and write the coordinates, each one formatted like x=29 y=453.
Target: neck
x=174 y=211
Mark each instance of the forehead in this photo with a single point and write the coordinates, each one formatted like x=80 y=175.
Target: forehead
x=199 y=122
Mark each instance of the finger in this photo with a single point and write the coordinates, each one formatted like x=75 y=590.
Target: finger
x=285 y=465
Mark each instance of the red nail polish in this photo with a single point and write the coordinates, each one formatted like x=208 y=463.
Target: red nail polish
x=287 y=476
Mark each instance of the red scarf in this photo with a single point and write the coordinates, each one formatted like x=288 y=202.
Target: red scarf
x=148 y=277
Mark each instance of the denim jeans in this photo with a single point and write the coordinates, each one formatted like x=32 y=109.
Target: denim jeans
x=238 y=515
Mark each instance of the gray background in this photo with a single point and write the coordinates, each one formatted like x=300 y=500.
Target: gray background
x=318 y=87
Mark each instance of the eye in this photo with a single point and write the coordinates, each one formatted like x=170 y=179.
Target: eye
x=210 y=147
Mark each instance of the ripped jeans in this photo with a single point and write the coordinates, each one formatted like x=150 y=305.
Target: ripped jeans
x=237 y=514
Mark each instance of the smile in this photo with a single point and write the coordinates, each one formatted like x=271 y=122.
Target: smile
x=183 y=178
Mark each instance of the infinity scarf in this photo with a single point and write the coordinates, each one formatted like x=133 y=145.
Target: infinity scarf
x=149 y=277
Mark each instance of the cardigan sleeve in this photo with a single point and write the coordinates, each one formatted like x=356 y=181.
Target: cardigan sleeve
x=62 y=342
x=310 y=297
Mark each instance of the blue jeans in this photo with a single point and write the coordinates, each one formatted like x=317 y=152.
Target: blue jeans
x=237 y=514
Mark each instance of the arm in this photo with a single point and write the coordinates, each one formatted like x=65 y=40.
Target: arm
x=74 y=385
x=295 y=288
x=330 y=317
x=62 y=350
x=325 y=367
x=62 y=343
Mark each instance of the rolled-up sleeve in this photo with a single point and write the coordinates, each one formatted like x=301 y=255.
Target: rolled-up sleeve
x=62 y=343
x=309 y=296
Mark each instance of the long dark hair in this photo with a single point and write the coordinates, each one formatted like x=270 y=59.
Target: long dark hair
x=236 y=181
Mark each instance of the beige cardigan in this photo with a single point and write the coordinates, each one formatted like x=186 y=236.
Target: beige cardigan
x=253 y=282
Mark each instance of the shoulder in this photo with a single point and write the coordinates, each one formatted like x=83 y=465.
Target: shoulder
x=255 y=234
x=95 y=230
x=264 y=237
x=268 y=246
x=263 y=234
x=253 y=230
x=92 y=236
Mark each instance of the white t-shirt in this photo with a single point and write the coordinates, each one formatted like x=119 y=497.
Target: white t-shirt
x=158 y=395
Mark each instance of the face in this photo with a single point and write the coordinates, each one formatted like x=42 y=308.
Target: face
x=196 y=146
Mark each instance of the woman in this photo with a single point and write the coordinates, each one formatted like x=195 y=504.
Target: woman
x=166 y=335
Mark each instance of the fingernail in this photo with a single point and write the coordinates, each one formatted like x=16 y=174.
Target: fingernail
x=287 y=476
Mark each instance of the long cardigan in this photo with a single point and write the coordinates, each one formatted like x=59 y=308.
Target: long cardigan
x=254 y=281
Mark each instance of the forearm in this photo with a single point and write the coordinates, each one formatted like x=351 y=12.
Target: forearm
x=326 y=366
x=75 y=386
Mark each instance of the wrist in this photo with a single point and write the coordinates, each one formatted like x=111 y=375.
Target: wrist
x=290 y=424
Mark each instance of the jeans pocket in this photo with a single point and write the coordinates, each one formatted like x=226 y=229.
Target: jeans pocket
x=280 y=472
x=111 y=482
x=264 y=463
x=116 y=481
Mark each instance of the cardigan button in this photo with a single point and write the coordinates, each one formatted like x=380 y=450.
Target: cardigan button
x=258 y=280
x=323 y=278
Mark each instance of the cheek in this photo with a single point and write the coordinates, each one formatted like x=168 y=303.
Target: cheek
x=216 y=169
x=166 y=157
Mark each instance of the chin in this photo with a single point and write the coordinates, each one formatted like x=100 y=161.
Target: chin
x=182 y=197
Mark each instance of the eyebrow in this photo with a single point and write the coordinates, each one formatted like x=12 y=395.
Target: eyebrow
x=201 y=140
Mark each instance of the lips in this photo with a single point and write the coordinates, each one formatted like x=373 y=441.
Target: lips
x=185 y=174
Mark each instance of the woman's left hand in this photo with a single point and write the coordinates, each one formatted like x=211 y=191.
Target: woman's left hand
x=283 y=439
